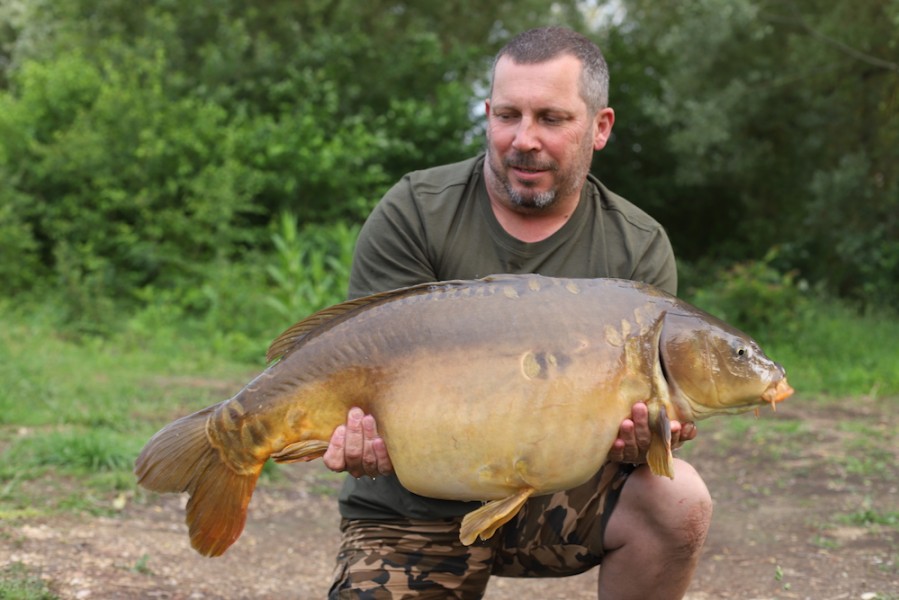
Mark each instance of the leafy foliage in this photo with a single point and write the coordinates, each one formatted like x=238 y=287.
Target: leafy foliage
x=780 y=123
x=311 y=267
x=756 y=297
x=175 y=133
x=128 y=187
x=145 y=150
x=827 y=346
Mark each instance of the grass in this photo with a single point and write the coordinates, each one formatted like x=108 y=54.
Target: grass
x=18 y=582
x=76 y=413
x=869 y=517
x=842 y=355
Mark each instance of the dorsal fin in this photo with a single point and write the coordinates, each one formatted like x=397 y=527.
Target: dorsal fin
x=326 y=318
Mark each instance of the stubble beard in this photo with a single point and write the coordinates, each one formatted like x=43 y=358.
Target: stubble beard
x=531 y=200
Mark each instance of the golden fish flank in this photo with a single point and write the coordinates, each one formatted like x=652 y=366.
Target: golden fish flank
x=540 y=372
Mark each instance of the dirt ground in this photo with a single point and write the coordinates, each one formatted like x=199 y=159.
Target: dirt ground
x=796 y=516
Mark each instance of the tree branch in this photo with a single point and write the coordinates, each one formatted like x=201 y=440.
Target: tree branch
x=841 y=46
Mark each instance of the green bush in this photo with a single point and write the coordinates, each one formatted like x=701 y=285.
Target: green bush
x=826 y=344
x=834 y=349
x=126 y=185
x=112 y=186
x=310 y=268
x=852 y=232
x=20 y=268
x=756 y=297
x=242 y=305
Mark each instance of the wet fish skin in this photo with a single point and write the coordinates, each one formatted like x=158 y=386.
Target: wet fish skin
x=535 y=373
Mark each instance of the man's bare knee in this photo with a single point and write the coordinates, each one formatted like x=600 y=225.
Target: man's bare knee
x=697 y=517
x=677 y=512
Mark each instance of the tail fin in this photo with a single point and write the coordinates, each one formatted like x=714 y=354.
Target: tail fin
x=179 y=458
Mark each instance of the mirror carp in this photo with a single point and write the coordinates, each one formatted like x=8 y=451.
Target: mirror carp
x=495 y=389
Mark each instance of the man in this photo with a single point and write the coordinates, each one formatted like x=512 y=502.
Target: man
x=528 y=205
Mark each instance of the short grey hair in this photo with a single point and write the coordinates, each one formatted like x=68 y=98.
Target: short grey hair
x=546 y=43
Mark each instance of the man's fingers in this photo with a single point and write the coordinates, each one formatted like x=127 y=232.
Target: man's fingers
x=354 y=436
x=375 y=458
x=334 y=456
x=369 y=458
x=616 y=454
x=624 y=449
x=681 y=432
x=385 y=467
x=357 y=448
x=635 y=436
x=640 y=416
x=354 y=448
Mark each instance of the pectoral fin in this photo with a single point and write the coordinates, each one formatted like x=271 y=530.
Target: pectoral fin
x=301 y=451
x=486 y=520
x=659 y=457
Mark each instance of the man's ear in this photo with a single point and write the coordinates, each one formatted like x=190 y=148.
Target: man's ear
x=602 y=127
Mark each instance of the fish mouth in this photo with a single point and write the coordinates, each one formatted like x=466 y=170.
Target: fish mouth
x=778 y=391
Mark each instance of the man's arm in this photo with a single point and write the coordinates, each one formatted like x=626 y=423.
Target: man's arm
x=391 y=251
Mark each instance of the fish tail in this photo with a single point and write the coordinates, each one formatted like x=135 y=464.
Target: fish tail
x=180 y=458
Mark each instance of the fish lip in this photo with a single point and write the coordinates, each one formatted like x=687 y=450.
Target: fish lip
x=778 y=391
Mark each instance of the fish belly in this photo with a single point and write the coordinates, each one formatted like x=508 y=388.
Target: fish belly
x=483 y=427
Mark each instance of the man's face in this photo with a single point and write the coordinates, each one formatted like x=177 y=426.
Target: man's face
x=540 y=135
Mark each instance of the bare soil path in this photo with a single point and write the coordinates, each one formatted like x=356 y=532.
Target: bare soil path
x=804 y=508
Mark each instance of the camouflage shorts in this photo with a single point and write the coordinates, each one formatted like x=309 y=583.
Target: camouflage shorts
x=552 y=536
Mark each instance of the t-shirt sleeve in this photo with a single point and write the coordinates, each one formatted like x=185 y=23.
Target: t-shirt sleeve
x=391 y=251
x=657 y=265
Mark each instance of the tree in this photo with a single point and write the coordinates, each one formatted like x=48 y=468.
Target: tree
x=782 y=123
x=141 y=140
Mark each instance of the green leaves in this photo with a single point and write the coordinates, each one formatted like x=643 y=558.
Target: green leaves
x=146 y=146
x=175 y=133
x=782 y=127
x=311 y=267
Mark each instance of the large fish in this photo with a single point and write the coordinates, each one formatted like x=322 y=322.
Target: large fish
x=496 y=389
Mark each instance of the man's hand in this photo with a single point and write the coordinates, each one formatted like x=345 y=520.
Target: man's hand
x=634 y=436
x=357 y=448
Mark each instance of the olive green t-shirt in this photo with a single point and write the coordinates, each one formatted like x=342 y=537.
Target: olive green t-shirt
x=437 y=224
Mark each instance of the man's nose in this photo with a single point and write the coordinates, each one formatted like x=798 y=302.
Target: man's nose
x=526 y=138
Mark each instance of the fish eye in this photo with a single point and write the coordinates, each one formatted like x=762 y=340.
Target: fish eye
x=743 y=351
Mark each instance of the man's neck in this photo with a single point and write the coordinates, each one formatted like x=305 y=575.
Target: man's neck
x=533 y=225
